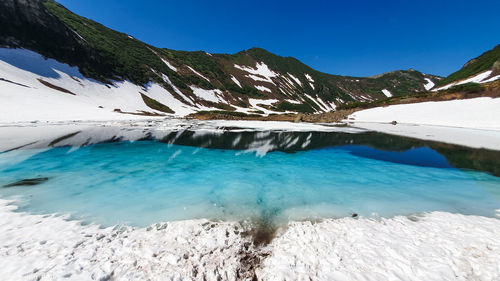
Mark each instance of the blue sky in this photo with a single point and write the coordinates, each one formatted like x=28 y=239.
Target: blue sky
x=359 y=38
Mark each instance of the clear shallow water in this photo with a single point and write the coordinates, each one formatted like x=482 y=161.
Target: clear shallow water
x=143 y=182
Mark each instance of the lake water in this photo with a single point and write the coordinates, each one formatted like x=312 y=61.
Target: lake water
x=267 y=176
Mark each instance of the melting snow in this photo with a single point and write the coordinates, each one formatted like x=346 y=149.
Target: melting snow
x=491 y=79
x=479 y=78
x=295 y=79
x=477 y=113
x=317 y=103
x=235 y=81
x=437 y=246
x=386 y=93
x=165 y=78
x=261 y=69
x=429 y=84
x=197 y=73
x=263 y=89
x=92 y=100
x=309 y=78
x=169 y=65
x=208 y=95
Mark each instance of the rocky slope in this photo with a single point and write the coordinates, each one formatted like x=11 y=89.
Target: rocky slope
x=253 y=81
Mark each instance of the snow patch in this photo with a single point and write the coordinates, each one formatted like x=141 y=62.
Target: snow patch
x=208 y=95
x=197 y=73
x=429 y=84
x=261 y=69
x=386 y=93
x=263 y=89
x=295 y=79
x=169 y=65
x=436 y=246
x=479 y=78
x=293 y=101
x=477 y=113
x=309 y=78
x=236 y=81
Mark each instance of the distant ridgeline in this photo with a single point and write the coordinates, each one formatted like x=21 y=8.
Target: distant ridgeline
x=253 y=81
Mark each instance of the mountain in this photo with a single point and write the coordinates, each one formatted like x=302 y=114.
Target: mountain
x=87 y=64
x=483 y=69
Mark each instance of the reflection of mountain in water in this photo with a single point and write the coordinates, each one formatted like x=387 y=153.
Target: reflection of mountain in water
x=366 y=144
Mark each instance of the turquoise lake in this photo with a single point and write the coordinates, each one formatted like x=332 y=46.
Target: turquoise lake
x=310 y=176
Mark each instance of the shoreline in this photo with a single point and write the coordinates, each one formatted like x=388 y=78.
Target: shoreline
x=457 y=246
x=487 y=138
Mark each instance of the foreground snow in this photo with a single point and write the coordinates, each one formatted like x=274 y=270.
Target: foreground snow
x=436 y=246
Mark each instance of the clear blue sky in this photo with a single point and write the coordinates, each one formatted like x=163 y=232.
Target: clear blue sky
x=358 y=38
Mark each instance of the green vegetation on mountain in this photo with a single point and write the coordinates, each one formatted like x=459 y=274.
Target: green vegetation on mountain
x=486 y=61
x=154 y=104
x=127 y=58
x=106 y=55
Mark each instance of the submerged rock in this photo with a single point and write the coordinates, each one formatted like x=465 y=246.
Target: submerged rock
x=34 y=181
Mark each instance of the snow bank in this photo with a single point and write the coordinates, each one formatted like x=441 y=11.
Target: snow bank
x=470 y=122
x=34 y=247
x=38 y=89
x=477 y=113
x=208 y=95
x=437 y=246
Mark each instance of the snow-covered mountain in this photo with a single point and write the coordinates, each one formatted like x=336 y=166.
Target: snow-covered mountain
x=57 y=65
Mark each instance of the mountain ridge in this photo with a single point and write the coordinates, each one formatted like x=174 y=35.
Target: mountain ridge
x=203 y=81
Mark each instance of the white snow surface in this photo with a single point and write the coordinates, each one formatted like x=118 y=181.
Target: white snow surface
x=25 y=98
x=263 y=89
x=209 y=95
x=387 y=93
x=494 y=78
x=319 y=102
x=309 y=78
x=294 y=101
x=479 y=78
x=35 y=247
x=255 y=104
x=429 y=84
x=261 y=72
x=197 y=73
x=435 y=246
x=176 y=90
x=169 y=65
x=477 y=113
x=236 y=81
x=470 y=122
x=295 y=79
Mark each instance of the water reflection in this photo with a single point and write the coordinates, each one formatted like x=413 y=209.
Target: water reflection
x=372 y=145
